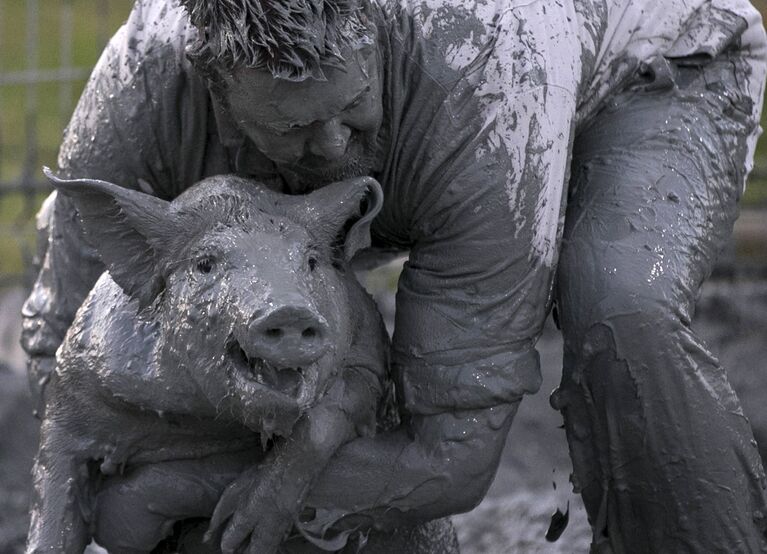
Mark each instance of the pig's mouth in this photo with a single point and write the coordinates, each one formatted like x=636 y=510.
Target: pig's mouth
x=253 y=373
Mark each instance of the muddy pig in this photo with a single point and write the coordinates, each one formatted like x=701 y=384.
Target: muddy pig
x=226 y=321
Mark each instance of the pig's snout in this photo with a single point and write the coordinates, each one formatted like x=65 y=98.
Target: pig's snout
x=289 y=336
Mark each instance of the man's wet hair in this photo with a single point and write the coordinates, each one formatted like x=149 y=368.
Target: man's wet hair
x=291 y=39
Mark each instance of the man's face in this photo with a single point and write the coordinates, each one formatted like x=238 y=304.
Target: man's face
x=316 y=132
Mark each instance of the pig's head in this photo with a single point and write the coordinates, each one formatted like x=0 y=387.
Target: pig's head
x=249 y=285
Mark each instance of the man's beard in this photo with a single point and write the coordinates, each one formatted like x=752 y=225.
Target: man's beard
x=312 y=173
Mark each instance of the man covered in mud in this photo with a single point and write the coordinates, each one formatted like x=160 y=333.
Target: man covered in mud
x=587 y=153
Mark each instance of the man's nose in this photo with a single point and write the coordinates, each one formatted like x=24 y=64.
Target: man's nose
x=330 y=139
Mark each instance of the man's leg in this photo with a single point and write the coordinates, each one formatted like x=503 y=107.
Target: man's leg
x=663 y=456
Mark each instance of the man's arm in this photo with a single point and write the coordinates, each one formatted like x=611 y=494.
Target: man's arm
x=436 y=466
x=479 y=197
x=484 y=210
x=471 y=302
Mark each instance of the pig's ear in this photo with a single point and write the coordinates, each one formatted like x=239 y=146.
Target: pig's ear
x=345 y=210
x=128 y=229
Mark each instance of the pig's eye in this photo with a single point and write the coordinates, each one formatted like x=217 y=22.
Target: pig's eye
x=312 y=263
x=206 y=264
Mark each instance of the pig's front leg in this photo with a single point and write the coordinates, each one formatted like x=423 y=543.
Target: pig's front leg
x=264 y=502
x=60 y=495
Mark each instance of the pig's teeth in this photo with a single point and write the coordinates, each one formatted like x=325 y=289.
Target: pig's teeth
x=255 y=372
x=258 y=369
x=270 y=374
x=241 y=360
x=307 y=388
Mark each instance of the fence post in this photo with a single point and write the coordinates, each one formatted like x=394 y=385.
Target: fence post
x=2 y=35
x=65 y=60
x=31 y=104
x=31 y=108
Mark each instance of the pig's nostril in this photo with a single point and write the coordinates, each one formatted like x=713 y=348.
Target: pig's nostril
x=309 y=333
x=273 y=333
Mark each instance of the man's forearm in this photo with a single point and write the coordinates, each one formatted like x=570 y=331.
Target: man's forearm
x=436 y=466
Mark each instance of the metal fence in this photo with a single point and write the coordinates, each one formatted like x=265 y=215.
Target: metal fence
x=67 y=76
x=47 y=50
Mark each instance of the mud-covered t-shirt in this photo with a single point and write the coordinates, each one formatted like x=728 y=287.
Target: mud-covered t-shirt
x=483 y=101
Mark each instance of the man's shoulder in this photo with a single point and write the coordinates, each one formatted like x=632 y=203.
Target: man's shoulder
x=157 y=31
x=494 y=85
x=425 y=9
x=455 y=31
x=513 y=32
x=144 y=108
x=157 y=23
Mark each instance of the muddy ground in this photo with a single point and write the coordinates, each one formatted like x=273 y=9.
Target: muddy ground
x=532 y=481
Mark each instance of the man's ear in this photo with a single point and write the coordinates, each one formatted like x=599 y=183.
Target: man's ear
x=344 y=211
x=129 y=229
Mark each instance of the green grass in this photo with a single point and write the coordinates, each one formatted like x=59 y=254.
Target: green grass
x=89 y=36
x=94 y=22
x=17 y=232
x=756 y=193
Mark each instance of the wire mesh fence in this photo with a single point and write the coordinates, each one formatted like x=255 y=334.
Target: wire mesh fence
x=47 y=50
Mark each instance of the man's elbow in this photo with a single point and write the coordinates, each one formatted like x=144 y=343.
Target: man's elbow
x=467 y=453
x=448 y=484
x=471 y=475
